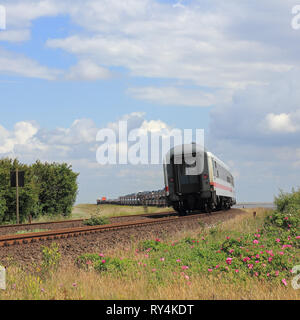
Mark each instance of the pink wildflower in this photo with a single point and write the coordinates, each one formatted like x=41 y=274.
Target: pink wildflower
x=184 y=267
x=101 y=255
x=236 y=270
x=228 y=260
x=209 y=270
x=178 y=260
x=250 y=266
x=255 y=241
x=277 y=240
x=162 y=259
x=281 y=253
x=103 y=261
x=217 y=266
x=284 y=282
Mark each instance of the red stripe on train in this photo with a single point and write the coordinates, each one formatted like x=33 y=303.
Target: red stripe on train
x=217 y=185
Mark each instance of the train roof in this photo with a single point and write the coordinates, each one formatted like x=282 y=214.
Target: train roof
x=210 y=154
x=193 y=147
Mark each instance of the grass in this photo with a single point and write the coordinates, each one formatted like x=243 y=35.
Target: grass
x=136 y=272
x=86 y=211
x=30 y=231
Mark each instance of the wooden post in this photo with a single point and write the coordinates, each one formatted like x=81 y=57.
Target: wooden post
x=17 y=194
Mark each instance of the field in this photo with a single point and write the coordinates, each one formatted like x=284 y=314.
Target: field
x=208 y=263
x=85 y=211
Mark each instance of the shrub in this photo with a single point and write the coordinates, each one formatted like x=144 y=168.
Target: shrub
x=96 y=220
x=50 y=258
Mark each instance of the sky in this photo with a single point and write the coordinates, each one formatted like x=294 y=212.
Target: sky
x=69 y=68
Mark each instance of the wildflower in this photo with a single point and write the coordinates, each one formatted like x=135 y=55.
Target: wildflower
x=227 y=238
x=42 y=289
x=209 y=270
x=153 y=270
x=157 y=240
x=162 y=259
x=101 y=255
x=286 y=218
x=236 y=270
x=269 y=259
x=89 y=262
x=231 y=251
x=217 y=266
x=256 y=261
x=178 y=260
x=277 y=240
x=184 y=267
x=257 y=256
x=256 y=274
x=187 y=277
x=246 y=259
x=264 y=265
x=255 y=241
x=144 y=264
x=281 y=253
x=74 y=284
x=192 y=247
x=189 y=283
x=229 y=260
x=250 y=266
x=146 y=255
x=284 y=282
x=276 y=273
x=103 y=261
x=268 y=274
x=298 y=237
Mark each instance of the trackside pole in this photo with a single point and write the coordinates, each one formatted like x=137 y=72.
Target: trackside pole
x=17 y=194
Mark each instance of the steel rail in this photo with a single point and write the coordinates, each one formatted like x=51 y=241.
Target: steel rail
x=8 y=240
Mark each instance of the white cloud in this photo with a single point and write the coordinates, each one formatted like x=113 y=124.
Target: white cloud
x=16 y=64
x=281 y=123
x=15 y=35
x=178 y=96
x=87 y=71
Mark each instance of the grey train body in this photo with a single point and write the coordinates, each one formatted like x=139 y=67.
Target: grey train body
x=209 y=188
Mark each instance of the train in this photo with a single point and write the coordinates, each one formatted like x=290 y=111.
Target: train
x=156 y=198
x=205 y=183
x=195 y=179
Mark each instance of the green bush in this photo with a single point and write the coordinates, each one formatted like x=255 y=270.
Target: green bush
x=96 y=220
x=50 y=189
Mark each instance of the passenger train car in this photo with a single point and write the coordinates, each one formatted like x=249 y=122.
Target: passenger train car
x=203 y=184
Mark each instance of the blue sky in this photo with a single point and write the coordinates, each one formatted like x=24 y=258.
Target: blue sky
x=69 y=68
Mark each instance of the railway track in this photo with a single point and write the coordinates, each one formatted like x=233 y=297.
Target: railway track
x=13 y=228
x=20 y=239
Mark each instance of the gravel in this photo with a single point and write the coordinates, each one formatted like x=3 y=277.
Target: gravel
x=71 y=248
